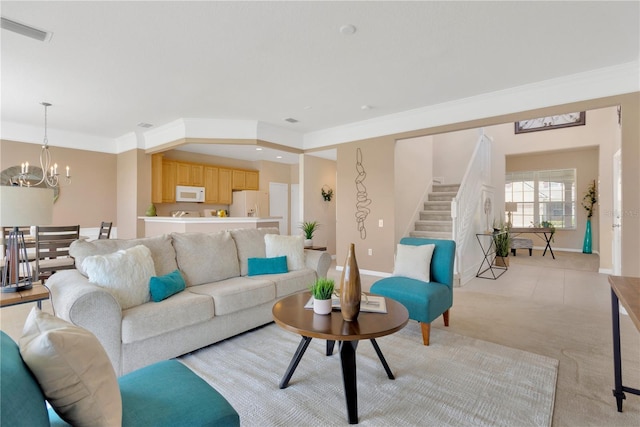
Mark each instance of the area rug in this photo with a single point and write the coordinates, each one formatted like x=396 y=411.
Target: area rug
x=456 y=381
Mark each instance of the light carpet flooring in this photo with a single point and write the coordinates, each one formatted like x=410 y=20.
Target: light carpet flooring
x=551 y=310
x=456 y=381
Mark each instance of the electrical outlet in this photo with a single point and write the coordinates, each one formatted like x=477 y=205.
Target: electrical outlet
x=370 y=251
x=380 y=223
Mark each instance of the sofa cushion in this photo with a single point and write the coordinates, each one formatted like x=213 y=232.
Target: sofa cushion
x=162 y=287
x=72 y=369
x=237 y=293
x=273 y=265
x=291 y=282
x=290 y=246
x=125 y=274
x=21 y=398
x=162 y=252
x=249 y=244
x=206 y=257
x=413 y=261
x=181 y=310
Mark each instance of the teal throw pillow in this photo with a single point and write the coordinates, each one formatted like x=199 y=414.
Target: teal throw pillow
x=162 y=287
x=267 y=265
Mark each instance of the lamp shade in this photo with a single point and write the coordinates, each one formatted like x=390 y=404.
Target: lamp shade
x=25 y=206
x=511 y=207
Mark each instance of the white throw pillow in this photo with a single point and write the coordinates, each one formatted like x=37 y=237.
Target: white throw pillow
x=125 y=274
x=413 y=261
x=290 y=246
x=73 y=370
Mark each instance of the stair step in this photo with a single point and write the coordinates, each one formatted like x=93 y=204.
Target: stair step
x=437 y=206
x=436 y=215
x=436 y=226
x=447 y=188
x=431 y=234
x=444 y=196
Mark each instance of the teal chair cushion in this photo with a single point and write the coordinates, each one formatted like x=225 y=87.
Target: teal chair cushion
x=168 y=393
x=21 y=400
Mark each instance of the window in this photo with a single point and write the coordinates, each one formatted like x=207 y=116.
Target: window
x=542 y=196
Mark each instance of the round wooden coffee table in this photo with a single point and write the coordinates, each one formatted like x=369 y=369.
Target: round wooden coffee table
x=290 y=314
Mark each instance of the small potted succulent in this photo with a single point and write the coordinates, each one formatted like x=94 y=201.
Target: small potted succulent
x=322 y=292
x=308 y=228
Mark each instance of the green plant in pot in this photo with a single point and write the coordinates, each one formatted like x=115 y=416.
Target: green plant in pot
x=308 y=228
x=502 y=240
x=322 y=292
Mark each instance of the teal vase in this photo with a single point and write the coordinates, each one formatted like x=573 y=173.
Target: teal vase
x=586 y=246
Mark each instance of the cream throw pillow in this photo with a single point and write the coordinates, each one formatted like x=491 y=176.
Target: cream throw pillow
x=125 y=274
x=73 y=370
x=290 y=246
x=413 y=261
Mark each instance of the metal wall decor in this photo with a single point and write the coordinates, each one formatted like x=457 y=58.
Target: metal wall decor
x=551 y=122
x=362 y=198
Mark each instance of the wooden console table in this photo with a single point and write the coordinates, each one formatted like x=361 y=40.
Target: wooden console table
x=543 y=232
x=626 y=291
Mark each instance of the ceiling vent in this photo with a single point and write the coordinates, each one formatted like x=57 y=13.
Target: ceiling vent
x=291 y=120
x=145 y=125
x=25 y=30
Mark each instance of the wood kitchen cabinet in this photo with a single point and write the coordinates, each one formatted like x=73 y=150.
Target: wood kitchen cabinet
x=156 y=178
x=168 y=181
x=224 y=186
x=244 y=180
x=189 y=174
x=211 y=184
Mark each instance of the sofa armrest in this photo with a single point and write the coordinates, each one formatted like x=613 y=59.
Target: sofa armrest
x=318 y=261
x=89 y=306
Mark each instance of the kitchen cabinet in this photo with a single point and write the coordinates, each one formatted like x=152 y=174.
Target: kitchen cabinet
x=168 y=181
x=211 y=184
x=244 y=180
x=224 y=186
x=156 y=178
x=189 y=174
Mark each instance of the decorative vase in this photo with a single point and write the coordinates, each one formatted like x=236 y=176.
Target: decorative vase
x=308 y=243
x=350 y=287
x=151 y=210
x=586 y=246
x=322 y=306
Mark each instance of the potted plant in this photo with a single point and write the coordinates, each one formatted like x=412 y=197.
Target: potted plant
x=308 y=228
x=502 y=241
x=322 y=292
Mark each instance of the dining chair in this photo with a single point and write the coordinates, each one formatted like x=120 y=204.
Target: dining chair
x=105 y=230
x=52 y=249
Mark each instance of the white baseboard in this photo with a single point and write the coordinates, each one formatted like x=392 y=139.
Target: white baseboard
x=368 y=272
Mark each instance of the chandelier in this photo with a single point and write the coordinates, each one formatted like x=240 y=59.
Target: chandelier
x=50 y=174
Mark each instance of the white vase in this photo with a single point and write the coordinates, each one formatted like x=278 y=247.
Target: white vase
x=322 y=306
x=308 y=243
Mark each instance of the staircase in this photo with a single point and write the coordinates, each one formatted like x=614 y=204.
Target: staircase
x=435 y=220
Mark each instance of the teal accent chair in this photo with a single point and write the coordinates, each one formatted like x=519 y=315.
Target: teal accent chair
x=424 y=301
x=166 y=393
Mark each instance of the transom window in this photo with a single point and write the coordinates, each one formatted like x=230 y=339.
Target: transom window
x=547 y=196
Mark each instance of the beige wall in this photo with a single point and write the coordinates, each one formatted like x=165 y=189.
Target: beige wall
x=317 y=173
x=453 y=151
x=413 y=174
x=378 y=164
x=90 y=198
x=585 y=161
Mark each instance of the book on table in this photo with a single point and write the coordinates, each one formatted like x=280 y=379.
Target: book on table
x=368 y=303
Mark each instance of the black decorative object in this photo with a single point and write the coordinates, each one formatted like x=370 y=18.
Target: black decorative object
x=327 y=193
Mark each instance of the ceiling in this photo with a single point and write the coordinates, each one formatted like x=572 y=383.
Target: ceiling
x=112 y=65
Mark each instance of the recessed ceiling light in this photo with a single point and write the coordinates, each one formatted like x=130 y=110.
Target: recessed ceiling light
x=365 y=107
x=258 y=148
x=347 y=29
x=278 y=157
x=291 y=120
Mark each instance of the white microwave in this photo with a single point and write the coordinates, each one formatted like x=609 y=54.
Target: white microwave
x=189 y=194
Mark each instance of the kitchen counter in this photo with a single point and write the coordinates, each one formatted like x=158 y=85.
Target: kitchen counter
x=157 y=225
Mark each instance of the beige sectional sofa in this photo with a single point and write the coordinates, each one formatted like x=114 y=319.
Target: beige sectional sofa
x=220 y=299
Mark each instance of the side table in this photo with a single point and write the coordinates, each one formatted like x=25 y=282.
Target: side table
x=488 y=246
x=37 y=293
